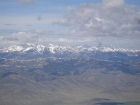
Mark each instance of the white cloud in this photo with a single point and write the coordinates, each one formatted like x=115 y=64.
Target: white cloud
x=20 y=37
x=69 y=41
x=108 y=18
x=113 y=3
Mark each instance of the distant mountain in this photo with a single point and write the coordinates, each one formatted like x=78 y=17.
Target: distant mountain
x=69 y=75
x=28 y=51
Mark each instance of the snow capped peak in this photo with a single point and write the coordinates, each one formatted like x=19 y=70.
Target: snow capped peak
x=13 y=48
x=40 y=48
x=51 y=47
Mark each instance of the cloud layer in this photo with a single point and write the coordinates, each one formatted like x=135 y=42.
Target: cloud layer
x=108 y=18
x=19 y=37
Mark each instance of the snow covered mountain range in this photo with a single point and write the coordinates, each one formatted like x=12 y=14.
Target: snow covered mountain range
x=59 y=51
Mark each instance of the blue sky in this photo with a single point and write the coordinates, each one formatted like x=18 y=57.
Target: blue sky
x=90 y=22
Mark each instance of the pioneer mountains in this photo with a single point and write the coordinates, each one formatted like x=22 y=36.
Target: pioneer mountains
x=69 y=75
